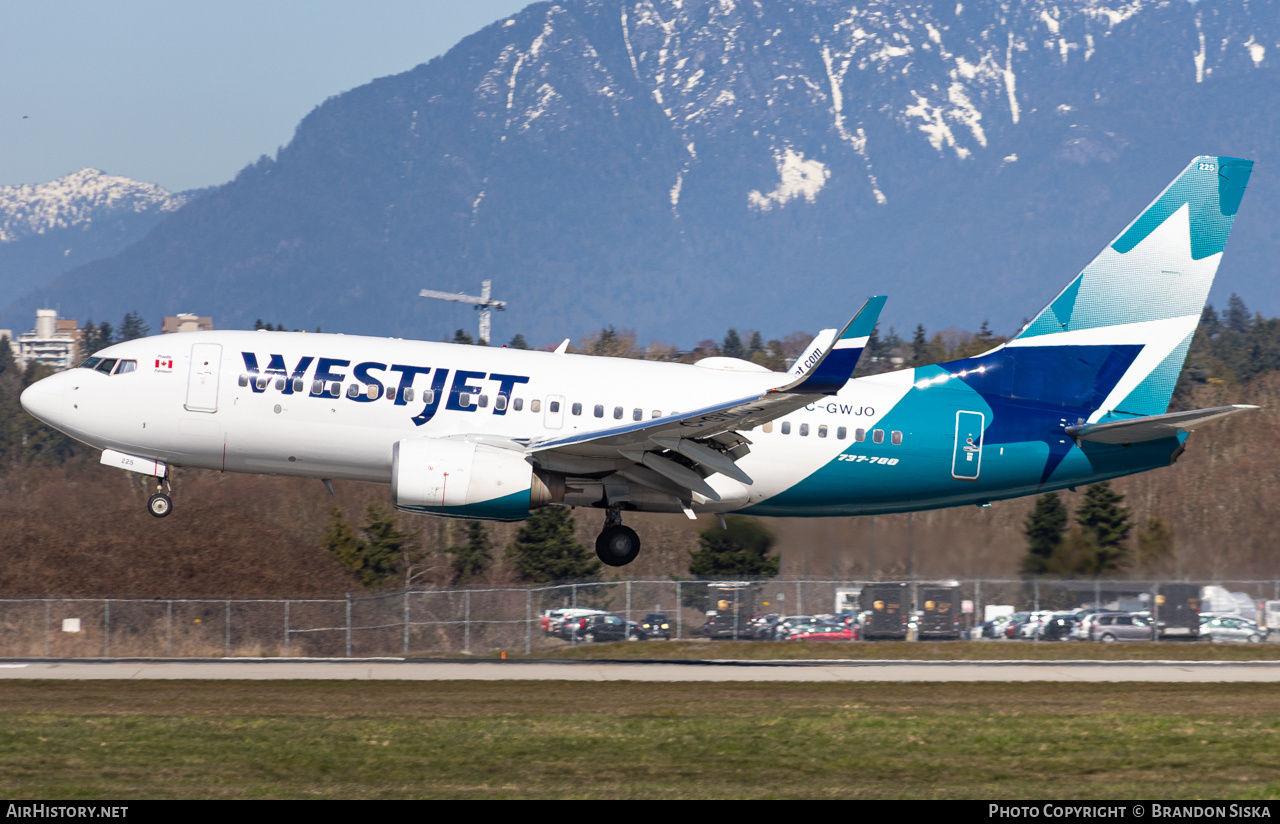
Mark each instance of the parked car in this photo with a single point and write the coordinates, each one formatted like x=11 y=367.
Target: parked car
x=656 y=625
x=1231 y=628
x=1124 y=626
x=1059 y=626
x=606 y=627
x=1087 y=619
x=565 y=624
x=822 y=632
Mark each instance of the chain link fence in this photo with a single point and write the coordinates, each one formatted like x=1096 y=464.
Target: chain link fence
x=479 y=621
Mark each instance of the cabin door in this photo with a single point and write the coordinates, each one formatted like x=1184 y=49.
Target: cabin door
x=966 y=461
x=202 y=380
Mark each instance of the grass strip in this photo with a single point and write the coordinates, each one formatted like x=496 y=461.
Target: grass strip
x=81 y=740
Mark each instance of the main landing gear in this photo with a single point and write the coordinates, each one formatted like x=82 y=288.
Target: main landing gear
x=160 y=504
x=617 y=545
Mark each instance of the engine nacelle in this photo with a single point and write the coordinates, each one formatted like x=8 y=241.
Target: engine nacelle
x=461 y=479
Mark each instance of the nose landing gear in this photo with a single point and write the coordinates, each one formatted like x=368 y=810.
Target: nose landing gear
x=617 y=545
x=160 y=504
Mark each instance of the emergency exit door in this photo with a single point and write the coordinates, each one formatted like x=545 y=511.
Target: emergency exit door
x=966 y=461
x=202 y=380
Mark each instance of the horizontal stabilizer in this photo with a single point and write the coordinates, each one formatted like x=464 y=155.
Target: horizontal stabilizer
x=1151 y=427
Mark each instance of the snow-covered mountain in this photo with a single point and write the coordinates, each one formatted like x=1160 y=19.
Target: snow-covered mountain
x=681 y=166
x=48 y=228
x=77 y=200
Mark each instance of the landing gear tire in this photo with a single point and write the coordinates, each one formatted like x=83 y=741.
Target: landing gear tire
x=159 y=505
x=617 y=545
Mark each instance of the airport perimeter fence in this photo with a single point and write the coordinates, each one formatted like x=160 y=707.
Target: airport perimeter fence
x=477 y=621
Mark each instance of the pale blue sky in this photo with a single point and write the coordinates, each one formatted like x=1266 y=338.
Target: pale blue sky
x=184 y=94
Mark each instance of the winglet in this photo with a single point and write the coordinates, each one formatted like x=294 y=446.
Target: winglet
x=836 y=364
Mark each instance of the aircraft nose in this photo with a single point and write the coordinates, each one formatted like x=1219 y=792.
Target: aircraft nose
x=44 y=399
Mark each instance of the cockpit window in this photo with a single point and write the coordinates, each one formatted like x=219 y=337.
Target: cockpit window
x=126 y=366
x=89 y=363
x=106 y=365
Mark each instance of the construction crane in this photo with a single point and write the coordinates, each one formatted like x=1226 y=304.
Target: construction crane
x=484 y=304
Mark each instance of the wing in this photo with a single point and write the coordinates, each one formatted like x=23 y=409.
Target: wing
x=1151 y=427
x=675 y=453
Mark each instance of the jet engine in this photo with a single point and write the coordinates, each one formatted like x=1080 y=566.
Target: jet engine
x=464 y=479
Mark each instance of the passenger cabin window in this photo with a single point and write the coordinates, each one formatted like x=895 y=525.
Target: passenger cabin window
x=464 y=399
x=657 y=413
x=575 y=409
x=841 y=433
x=617 y=413
x=500 y=403
x=599 y=410
x=895 y=438
x=317 y=388
x=637 y=414
x=877 y=436
x=804 y=430
x=298 y=384
x=859 y=435
x=484 y=401
x=408 y=394
x=768 y=427
x=279 y=384
x=335 y=389
x=373 y=392
x=786 y=427
x=243 y=380
x=822 y=432
x=353 y=391
x=536 y=406
x=518 y=404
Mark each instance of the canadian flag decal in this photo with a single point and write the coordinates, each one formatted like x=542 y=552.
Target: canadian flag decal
x=164 y=363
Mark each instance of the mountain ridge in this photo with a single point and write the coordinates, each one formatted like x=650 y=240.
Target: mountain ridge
x=682 y=167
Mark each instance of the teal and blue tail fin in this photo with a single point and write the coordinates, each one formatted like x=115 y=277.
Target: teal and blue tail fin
x=1135 y=307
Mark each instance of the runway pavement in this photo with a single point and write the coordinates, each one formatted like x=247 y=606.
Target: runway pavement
x=396 y=669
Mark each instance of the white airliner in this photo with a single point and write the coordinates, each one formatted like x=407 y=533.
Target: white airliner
x=1079 y=395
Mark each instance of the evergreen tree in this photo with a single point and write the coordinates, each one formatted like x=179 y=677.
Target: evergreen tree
x=756 y=345
x=545 y=549
x=384 y=544
x=373 y=559
x=95 y=338
x=1106 y=524
x=919 y=347
x=341 y=542
x=472 y=558
x=1043 y=530
x=1155 y=545
x=733 y=347
x=132 y=328
x=1210 y=322
x=1237 y=317
x=518 y=342
x=742 y=549
x=462 y=336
